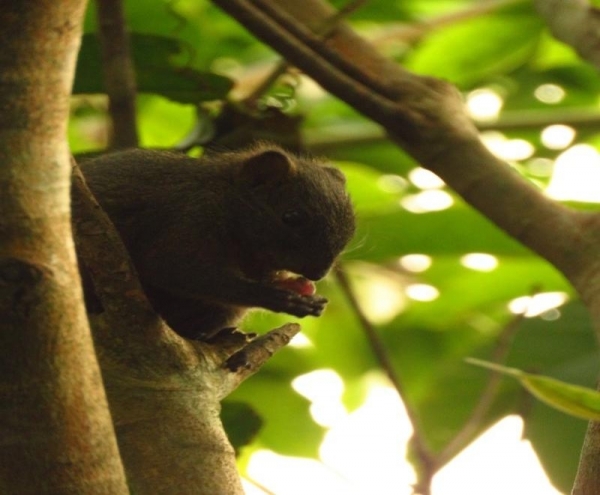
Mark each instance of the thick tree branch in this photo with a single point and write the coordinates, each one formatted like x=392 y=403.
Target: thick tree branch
x=119 y=73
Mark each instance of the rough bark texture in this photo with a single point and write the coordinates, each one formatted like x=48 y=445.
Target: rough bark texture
x=56 y=435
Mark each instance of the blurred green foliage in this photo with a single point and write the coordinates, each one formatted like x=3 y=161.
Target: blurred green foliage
x=508 y=50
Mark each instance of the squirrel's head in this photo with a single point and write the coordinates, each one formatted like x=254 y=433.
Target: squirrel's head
x=298 y=215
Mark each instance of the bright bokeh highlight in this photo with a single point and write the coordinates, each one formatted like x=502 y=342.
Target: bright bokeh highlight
x=427 y=201
x=530 y=306
x=576 y=175
x=549 y=93
x=481 y=262
x=484 y=104
x=558 y=136
x=415 y=263
x=422 y=292
x=425 y=179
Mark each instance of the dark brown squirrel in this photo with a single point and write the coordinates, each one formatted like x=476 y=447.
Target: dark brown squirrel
x=213 y=237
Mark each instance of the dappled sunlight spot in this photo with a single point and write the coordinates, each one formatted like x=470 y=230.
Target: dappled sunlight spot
x=310 y=89
x=422 y=292
x=507 y=149
x=484 y=104
x=481 y=262
x=483 y=466
x=540 y=167
x=415 y=263
x=392 y=183
x=327 y=414
x=549 y=93
x=383 y=300
x=427 y=201
x=324 y=388
x=557 y=137
x=537 y=304
x=550 y=315
x=425 y=179
x=301 y=341
x=576 y=175
x=379 y=291
x=286 y=475
x=368 y=447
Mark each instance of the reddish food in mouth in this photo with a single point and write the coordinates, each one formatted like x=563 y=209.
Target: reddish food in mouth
x=295 y=283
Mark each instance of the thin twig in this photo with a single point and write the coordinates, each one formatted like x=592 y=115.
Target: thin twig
x=474 y=422
x=330 y=24
x=119 y=73
x=259 y=485
x=381 y=354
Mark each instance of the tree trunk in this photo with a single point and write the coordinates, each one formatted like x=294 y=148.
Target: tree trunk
x=56 y=434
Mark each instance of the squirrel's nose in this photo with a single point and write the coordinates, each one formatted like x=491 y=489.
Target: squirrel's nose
x=317 y=274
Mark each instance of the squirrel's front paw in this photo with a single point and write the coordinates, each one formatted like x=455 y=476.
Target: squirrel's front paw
x=299 y=305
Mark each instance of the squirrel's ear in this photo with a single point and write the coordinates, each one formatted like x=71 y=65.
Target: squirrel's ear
x=336 y=173
x=267 y=167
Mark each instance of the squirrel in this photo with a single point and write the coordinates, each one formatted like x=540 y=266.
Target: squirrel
x=212 y=237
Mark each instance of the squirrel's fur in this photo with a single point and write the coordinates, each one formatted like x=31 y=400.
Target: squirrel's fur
x=207 y=235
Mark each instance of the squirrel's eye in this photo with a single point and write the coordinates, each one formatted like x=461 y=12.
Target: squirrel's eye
x=294 y=218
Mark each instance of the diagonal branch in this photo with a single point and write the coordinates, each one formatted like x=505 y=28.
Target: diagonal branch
x=104 y=256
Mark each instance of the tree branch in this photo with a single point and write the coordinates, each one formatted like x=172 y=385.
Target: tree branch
x=119 y=73
x=425 y=457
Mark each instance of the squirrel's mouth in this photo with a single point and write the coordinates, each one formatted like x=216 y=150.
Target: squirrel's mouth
x=293 y=282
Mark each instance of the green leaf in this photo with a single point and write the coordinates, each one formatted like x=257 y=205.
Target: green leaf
x=474 y=50
x=157 y=70
x=399 y=231
x=242 y=423
x=577 y=401
x=288 y=426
